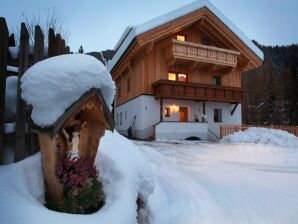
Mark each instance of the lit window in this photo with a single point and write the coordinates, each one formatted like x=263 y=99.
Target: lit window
x=182 y=77
x=167 y=111
x=181 y=37
x=217 y=115
x=172 y=76
x=216 y=80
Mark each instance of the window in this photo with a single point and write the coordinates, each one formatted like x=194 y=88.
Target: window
x=117 y=121
x=205 y=41
x=181 y=37
x=217 y=115
x=172 y=76
x=119 y=91
x=182 y=77
x=125 y=115
x=121 y=118
x=167 y=111
x=128 y=84
x=216 y=80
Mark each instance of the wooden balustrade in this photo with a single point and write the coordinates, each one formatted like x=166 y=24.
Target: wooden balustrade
x=202 y=53
x=194 y=91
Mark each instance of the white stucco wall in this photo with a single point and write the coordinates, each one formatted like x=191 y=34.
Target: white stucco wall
x=147 y=110
x=181 y=130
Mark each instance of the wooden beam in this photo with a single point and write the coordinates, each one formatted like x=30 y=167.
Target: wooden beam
x=161 y=109
x=3 y=73
x=20 y=150
x=234 y=109
x=149 y=47
x=243 y=65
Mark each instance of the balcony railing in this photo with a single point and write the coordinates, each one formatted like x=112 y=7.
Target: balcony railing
x=193 y=91
x=202 y=54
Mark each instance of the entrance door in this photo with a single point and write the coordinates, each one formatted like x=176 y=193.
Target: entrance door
x=183 y=114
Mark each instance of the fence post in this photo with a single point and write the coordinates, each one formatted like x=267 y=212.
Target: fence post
x=51 y=42
x=20 y=152
x=3 y=71
x=38 y=56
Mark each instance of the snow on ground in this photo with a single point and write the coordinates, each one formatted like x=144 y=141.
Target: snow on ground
x=124 y=172
x=264 y=136
x=60 y=81
x=199 y=182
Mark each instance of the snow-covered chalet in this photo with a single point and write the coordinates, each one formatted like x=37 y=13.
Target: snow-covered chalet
x=179 y=75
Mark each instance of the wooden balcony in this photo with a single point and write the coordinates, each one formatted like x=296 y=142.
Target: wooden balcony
x=193 y=91
x=203 y=54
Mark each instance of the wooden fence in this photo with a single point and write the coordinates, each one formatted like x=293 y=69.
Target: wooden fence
x=20 y=58
x=229 y=129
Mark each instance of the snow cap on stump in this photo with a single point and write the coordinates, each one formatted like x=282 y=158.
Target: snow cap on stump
x=53 y=85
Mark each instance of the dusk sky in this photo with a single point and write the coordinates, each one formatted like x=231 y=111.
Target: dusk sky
x=98 y=24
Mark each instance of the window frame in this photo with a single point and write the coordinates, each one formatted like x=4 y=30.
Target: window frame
x=167 y=112
x=182 y=35
x=176 y=76
x=217 y=115
x=216 y=78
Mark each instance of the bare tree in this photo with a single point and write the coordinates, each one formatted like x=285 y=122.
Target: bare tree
x=49 y=19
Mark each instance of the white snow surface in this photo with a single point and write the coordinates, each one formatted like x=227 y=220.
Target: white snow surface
x=124 y=173
x=11 y=98
x=61 y=81
x=14 y=52
x=222 y=183
x=131 y=33
x=263 y=136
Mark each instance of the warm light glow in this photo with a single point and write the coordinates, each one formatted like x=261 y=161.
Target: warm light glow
x=172 y=76
x=181 y=37
x=174 y=108
x=182 y=77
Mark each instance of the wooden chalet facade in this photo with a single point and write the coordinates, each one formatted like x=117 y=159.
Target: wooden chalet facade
x=179 y=75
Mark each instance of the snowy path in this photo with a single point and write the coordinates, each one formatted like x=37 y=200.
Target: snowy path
x=222 y=183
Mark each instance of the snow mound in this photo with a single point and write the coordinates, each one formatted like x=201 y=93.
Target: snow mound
x=263 y=136
x=54 y=84
x=125 y=175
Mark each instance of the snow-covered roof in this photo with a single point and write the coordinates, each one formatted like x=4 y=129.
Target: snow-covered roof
x=132 y=32
x=53 y=85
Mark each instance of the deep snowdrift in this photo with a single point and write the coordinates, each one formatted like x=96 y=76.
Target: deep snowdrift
x=199 y=182
x=263 y=136
x=124 y=173
x=60 y=81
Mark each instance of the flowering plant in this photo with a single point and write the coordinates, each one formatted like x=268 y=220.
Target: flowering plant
x=83 y=192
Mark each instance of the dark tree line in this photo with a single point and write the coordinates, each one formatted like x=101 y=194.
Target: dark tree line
x=271 y=91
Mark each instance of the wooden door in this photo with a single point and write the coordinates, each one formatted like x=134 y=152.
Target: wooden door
x=183 y=114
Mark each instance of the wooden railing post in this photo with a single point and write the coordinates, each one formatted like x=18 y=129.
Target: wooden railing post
x=20 y=152
x=3 y=71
